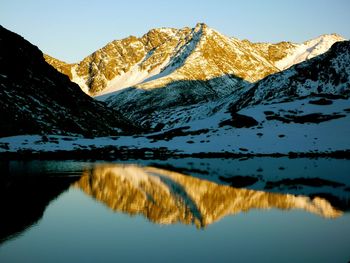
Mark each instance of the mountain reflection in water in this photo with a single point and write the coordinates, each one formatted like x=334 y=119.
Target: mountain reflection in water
x=161 y=195
x=23 y=201
x=167 y=197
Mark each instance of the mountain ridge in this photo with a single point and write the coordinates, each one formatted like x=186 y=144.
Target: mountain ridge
x=169 y=68
x=136 y=61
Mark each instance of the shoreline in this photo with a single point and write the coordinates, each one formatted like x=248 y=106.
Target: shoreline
x=122 y=153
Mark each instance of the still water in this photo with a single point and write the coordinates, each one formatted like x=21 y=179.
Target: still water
x=181 y=210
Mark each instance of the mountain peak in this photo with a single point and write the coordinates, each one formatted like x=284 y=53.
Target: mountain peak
x=199 y=53
x=201 y=25
x=333 y=35
x=161 y=30
x=325 y=38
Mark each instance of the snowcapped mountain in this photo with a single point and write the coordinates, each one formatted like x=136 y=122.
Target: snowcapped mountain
x=325 y=75
x=302 y=110
x=168 y=55
x=305 y=104
x=36 y=99
x=168 y=67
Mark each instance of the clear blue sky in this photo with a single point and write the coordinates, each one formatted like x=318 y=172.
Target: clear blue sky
x=72 y=29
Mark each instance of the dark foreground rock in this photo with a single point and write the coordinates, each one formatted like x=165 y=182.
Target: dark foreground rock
x=36 y=99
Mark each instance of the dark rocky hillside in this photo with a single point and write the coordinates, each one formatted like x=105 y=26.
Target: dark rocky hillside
x=36 y=99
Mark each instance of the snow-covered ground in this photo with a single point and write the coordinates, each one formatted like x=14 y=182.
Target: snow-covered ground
x=282 y=128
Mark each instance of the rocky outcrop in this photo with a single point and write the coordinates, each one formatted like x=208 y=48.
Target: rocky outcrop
x=61 y=66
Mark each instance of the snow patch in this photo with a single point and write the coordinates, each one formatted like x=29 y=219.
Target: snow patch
x=308 y=50
x=79 y=80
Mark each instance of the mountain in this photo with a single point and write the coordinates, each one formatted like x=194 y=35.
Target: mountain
x=307 y=103
x=327 y=75
x=168 y=67
x=36 y=99
x=168 y=55
x=168 y=197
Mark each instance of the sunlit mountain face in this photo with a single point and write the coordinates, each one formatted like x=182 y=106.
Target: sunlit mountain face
x=166 y=55
x=150 y=79
x=167 y=197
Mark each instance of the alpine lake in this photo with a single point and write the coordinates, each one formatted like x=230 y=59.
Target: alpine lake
x=176 y=210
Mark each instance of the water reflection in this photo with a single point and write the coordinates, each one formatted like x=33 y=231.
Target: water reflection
x=167 y=197
x=199 y=193
x=23 y=201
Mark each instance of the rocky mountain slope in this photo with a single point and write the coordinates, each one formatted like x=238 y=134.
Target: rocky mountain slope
x=305 y=104
x=313 y=126
x=61 y=66
x=167 y=67
x=36 y=99
x=327 y=75
x=144 y=98
x=169 y=55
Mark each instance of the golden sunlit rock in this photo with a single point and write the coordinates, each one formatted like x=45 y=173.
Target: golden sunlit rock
x=188 y=54
x=60 y=66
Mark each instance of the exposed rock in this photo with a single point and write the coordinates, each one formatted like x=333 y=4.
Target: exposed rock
x=240 y=121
